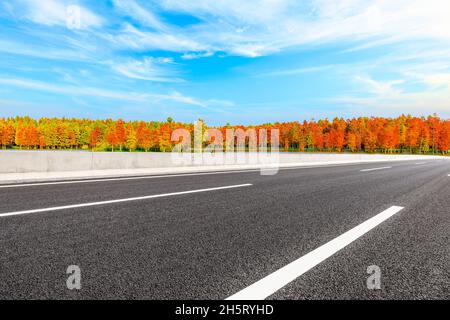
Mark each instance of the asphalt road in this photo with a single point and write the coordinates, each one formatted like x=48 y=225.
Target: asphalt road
x=195 y=241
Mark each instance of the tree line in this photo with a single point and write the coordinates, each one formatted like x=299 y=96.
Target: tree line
x=404 y=134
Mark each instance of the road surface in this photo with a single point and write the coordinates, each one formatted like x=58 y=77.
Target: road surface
x=304 y=233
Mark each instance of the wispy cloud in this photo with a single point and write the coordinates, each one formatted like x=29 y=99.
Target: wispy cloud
x=133 y=38
x=149 y=68
x=74 y=91
x=297 y=71
x=262 y=27
x=140 y=14
x=381 y=88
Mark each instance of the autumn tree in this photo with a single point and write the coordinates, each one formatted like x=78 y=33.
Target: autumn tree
x=444 y=138
x=337 y=134
x=94 y=138
x=120 y=134
x=20 y=136
x=143 y=136
x=165 y=134
x=131 y=139
x=7 y=133
x=111 y=137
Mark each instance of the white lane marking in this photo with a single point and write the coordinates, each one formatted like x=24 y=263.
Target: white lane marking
x=420 y=163
x=166 y=176
x=119 y=179
x=90 y=204
x=373 y=169
x=173 y=175
x=277 y=280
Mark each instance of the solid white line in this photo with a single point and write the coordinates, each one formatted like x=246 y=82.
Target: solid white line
x=373 y=169
x=166 y=176
x=81 y=180
x=420 y=163
x=117 y=179
x=90 y=204
x=275 y=281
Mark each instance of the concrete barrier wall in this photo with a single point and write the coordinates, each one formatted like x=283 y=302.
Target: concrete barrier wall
x=12 y=161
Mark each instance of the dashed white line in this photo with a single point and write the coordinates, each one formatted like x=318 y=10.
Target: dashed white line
x=373 y=169
x=277 y=280
x=91 y=204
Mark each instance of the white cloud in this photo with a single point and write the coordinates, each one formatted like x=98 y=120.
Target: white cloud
x=53 y=12
x=134 y=38
x=139 y=13
x=439 y=80
x=150 y=68
x=220 y=103
x=176 y=96
x=380 y=88
x=232 y=11
x=192 y=55
x=40 y=51
x=396 y=95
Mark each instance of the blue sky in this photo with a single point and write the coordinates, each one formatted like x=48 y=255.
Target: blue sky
x=224 y=61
